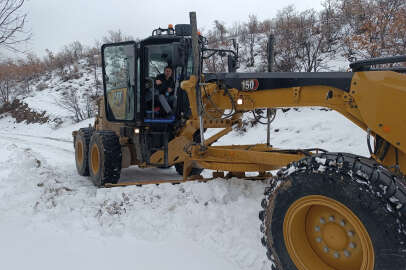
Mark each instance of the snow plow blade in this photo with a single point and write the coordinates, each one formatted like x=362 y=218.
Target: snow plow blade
x=190 y=179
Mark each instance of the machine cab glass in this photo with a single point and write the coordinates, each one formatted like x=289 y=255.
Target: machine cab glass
x=160 y=77
x=119 y=80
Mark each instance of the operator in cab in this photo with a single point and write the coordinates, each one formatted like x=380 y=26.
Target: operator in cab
x=165 y=84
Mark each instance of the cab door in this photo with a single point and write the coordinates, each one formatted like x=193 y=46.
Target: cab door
x=120 y=81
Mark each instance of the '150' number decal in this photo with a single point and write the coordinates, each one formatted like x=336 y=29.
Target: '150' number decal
x=249 y=85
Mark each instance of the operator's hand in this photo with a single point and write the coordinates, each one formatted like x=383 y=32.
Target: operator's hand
x=170 y=90
x=158 y=82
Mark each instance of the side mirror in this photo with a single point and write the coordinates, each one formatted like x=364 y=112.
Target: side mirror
x=231 y=63
x=178 y=54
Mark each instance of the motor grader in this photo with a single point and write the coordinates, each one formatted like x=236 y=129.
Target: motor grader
x=322 y=210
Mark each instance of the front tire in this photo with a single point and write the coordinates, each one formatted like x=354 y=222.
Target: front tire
x=104 y=158
x=335 y=211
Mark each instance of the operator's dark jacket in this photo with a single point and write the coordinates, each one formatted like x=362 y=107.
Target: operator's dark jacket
x=163 y=88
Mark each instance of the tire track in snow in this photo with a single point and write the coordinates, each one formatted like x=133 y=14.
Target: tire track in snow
x=39 y=137
x=35 y=143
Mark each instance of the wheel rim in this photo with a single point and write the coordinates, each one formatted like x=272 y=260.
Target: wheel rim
x=79 y=152
x=95 y=158
x=322 y=234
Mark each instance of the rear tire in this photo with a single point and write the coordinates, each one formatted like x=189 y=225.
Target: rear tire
x=81 y=145
x=104 y=158
x=351 y=185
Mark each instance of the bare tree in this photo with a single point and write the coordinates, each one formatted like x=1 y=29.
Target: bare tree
x=235 y=30
x=305 y=40
x=116 y=36
x=374 y=27
x=253 y=30
x=77 y=49
x=285 y=32
x=266 y=27
x=217 y=37
x=9 y=77
x=220 y=30
x=311 y=40
x=12 y=22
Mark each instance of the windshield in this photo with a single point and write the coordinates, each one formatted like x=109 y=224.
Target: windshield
x=159 y=56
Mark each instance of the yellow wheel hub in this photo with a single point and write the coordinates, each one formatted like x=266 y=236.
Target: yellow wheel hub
x=79 y=152
x=322 y=234
x=334 y=236
x=95 y=158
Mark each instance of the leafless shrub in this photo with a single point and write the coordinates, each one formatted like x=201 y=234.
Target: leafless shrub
x=70 y=75
x=42 y=86
x=80 y=110
x=71 y=102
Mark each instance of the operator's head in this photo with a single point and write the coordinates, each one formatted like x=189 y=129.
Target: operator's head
x=168 y=71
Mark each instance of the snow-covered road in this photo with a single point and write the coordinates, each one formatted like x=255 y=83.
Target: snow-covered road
x=51 y=218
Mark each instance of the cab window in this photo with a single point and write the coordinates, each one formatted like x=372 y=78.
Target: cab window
x=159 y=56
x=119 y=65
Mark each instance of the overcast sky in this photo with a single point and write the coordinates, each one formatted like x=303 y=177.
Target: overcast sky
x=55 y=23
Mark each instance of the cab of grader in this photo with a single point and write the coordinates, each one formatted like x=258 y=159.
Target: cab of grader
x=322 y=210
x=130 y=114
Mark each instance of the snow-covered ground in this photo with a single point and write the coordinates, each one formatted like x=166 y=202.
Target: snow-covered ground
x=51 y=218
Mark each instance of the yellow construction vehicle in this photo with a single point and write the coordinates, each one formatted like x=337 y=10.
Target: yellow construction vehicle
x=322 y=210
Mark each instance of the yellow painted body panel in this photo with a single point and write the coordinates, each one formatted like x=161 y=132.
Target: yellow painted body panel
x=117 y=102
x=381 y=100
x=375 y=103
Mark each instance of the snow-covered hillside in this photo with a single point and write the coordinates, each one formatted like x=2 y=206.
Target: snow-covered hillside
x=56 y=92
x=52 y=218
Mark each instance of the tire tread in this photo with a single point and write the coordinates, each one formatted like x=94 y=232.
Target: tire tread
x=369 y=178
x=111 y=168
x=86 y=134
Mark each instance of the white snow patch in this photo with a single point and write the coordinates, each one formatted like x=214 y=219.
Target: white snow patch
x=290 y=170
x=321 y=160
x=58 y=219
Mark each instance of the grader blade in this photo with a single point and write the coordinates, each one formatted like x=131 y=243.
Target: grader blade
x=198 y=178
x=157 y=182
